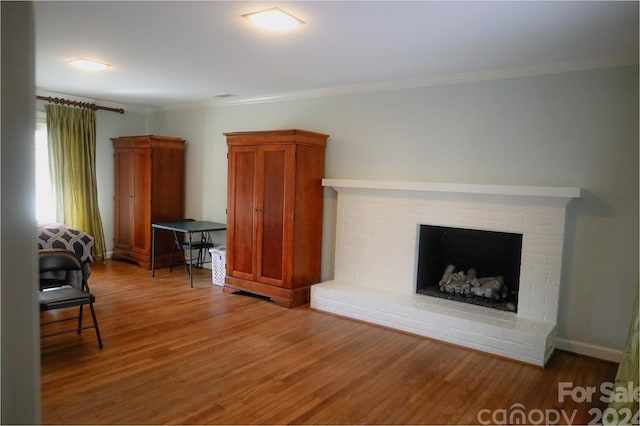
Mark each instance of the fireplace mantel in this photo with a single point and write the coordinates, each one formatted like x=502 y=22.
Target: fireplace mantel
x=377 y=224
x=555 y=192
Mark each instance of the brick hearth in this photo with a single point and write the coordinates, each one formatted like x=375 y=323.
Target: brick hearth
x=376 y=249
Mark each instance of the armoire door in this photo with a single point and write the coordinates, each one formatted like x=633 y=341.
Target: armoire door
x=141 y=241
x=275 y=214
x=132 y=180
x=124 y=205
x=242 y=211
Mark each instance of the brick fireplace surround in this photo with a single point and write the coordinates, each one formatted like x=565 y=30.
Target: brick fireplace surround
x=376 y=250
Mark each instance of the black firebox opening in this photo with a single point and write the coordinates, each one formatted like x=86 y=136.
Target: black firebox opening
x=490 y=254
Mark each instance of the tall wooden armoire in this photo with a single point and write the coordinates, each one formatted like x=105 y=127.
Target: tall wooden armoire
x=149 y=188
x=274 y=213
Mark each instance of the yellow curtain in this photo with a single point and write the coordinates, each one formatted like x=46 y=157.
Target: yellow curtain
x=71 y=133
x=623 y=408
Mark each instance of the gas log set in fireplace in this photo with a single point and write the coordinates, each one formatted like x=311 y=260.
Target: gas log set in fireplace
x=470 y=285
x=472 y=266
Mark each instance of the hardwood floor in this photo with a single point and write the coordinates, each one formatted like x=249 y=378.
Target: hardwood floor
x=177 y=355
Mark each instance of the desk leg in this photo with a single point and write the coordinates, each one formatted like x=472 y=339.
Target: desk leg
x=190 y=261
x=153 y=251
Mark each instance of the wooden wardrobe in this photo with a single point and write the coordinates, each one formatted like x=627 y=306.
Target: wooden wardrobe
x=149 y=188
x=274 y=213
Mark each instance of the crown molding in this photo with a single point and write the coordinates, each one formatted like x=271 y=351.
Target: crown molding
x=436 y=80
x=189 y=105
x=441 y=80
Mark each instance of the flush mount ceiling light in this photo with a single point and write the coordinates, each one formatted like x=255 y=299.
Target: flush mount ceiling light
x=273 y=19
x=88 y=65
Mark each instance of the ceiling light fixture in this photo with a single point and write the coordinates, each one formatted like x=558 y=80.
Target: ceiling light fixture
x=274 y=19
x=88 y=65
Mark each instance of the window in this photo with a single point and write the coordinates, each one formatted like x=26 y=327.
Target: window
x=45 y=201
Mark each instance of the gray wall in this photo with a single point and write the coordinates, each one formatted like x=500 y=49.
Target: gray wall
x=570 y=129
x=19 y=344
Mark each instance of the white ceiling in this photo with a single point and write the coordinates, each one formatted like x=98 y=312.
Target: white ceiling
x=177 y=52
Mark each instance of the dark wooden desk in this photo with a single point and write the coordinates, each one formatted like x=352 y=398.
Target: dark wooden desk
x=188 y=227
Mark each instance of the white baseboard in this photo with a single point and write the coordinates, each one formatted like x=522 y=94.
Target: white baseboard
x=588 y=349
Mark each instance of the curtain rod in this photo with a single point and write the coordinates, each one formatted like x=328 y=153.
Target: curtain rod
x=79 y=104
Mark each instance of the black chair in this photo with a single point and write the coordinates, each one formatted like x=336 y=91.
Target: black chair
x=199 y=244
x=63 y=284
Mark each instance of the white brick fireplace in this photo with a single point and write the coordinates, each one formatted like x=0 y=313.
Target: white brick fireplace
x=376 y=250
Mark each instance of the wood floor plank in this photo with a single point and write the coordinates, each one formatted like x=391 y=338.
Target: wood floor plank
x=179 y=355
